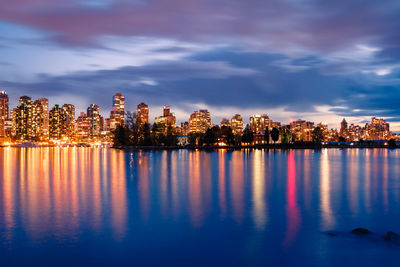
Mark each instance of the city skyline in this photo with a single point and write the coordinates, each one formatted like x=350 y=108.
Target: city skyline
x=218 y=114
x=35 y=120
x=310 y=58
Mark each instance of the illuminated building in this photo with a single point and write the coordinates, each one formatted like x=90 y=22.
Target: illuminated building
x=237 y=124
x=259 y=123
x=354 y=133
x=117 y=116
x=22 y=119
x=166 y=122
x=142 y=115
x=37 y=121
x=44 y=102
x=183 y=129
x=343 y=130
x=82 y=126
x=199 y=121
x=4 y=112
x=225 y=122
x=378 y=129
x=58 y=126
x=93 y=113
x=302 y=130
x=70 y=109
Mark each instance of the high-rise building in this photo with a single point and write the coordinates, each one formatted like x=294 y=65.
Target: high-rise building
x=237 y=124
x=58 y=126
x=166 y=122
x=4 y=112
x=22 y=119
x=117 y=116
x=142 y=115
x=93 y=113
x=45 y=107
x=37 y=121
x=302 y=130
x=343 y=129
x=259 y=123
x=199 y=121
x=82 y=126
x=70 y=109
x=378 y=129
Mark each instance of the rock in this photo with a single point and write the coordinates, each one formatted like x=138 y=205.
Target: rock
x=391 y=236
x=331 y=234
x=361 y=231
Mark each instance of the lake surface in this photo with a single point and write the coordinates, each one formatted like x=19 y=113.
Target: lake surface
x=79 y=206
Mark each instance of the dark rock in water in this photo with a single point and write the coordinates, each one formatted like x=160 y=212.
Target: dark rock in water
x=331 y=234
x=391 y=236
x=361 y=231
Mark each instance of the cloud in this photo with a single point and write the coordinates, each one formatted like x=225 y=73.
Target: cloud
x=286 y=56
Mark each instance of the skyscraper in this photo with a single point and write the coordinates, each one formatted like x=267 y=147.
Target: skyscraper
x=343 y=129
x=4 y=112
x=82 y=126
x=57 y=123
x=45 y=107
x=117 y=116
x=93 y=113
x=22 y=119
x=237 y=124
x=142 y=114
x=37 y=121
x=70 y=109
x=166 y=122
x=259 y=123
x=199 y=121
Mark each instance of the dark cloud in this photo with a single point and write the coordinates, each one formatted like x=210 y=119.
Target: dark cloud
x=249 y=80
x=297 y=54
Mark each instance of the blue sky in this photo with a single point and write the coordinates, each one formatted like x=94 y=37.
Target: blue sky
x=317 y=60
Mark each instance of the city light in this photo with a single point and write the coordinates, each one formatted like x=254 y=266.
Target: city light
x=31 y=124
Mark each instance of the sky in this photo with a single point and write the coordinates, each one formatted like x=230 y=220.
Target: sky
x=317 y=60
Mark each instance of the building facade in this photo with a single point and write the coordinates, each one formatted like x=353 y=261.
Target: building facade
x=58 y=126
x=237 y=124
x=117 y=115
x=259 y=123
x=199 y=121
x=4 y=113
x=142 y=115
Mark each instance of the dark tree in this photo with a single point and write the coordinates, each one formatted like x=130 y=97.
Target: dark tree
x=130 y=120
x=121 y=136
x=211 y=135
x=227 y=135
x=145 y=135
x=285 y=135
x=247 y=136
x=317 y=135
x=275 y=134
x=392 y=143
x=342 y=139
x=266 y=135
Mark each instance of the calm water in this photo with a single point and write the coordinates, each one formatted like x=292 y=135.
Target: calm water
x=64 y=206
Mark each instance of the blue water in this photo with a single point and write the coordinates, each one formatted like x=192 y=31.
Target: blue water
x=80 y=206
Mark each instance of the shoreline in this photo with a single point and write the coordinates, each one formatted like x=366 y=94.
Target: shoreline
x=278 y=146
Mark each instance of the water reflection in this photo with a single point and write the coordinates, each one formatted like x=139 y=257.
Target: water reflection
x=246 y=201
x=54 y=191
x=325 y=192
x=258 y=190
x=292 y=209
